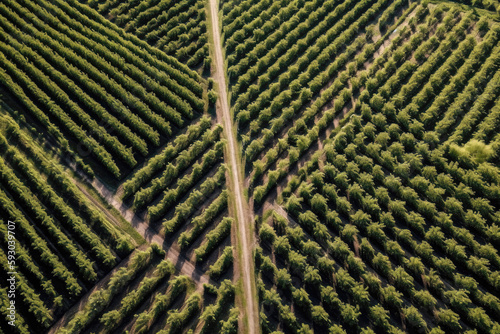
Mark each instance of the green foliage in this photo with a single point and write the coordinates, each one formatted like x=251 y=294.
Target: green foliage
x=400 y=192
x=448 y=319
x=222 y=263
x=130 y=302
x=414 y=318
x=476 y=149
x=101 y=298
x=161 y=304
x=213 y=238
x=102 y=88
x=212 y=97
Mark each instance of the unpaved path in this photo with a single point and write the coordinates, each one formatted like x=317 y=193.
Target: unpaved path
x=183 y=265
x=244 y=231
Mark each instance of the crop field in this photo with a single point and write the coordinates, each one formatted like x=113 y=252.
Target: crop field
x=64 y=244
x=249 y=166
x=176 y=27
x=137 y=296
x=392 y=224
x=56 y=225
x=111 y=103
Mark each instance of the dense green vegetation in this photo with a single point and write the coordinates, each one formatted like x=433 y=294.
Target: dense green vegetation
x=490 y=5
x=136 y=298
x=370 y=143
x=95 y=90
x=176 y=27
x=287 y=78
x=392 y=217
x=64 y=244
x=104 y=101
x=181 y=191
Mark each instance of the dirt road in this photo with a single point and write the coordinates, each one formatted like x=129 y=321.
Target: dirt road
x=244 y=230
x=183 y=265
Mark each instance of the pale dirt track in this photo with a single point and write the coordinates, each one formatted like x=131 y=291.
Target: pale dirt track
x=183 y=265
x=244 y=230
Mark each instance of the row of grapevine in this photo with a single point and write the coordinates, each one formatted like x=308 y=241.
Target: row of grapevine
x=185 y=209
x=299 y=135
x=54 y=226
x=303 y=142
x=161 y=303
x=392 y=226
x=213 y=315
x=101 y=298
x=147 y=295
x=483 y=4
x=171 y=195
x=105 y=95
x=183 y=160
x=179 y=29
x=181 y=192
x=181 y=142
